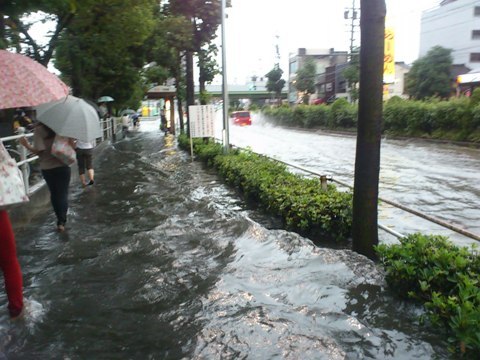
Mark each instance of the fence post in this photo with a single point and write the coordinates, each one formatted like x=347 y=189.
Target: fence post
x=103 y=129
x=323 y=182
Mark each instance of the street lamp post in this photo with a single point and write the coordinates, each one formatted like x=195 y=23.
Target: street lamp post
x=225 y=87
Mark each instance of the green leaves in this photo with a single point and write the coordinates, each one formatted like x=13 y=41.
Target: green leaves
x=299 y=202
x=430 y=75
x=445 y=278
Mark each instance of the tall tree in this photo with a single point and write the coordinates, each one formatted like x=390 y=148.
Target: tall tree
x=275 y=83
x=305 y=79
x=100 y=52
x=166 y=47
x=204 y=16
x=367 y=160
x=208 y=67
x=15 y=25
x=430 y=75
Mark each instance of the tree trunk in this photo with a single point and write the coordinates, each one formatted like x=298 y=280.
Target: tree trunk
x=180 y=114
x=3 y=41
x=367 y=161
x=190 y=86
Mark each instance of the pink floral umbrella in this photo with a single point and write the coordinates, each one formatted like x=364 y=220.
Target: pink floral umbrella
x=25 y=82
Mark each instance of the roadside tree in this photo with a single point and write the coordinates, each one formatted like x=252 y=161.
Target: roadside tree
x=305 y=79
x=275 y=83
x=367 y=157
x=430 y=75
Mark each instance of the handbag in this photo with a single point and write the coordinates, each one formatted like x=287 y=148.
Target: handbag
x=12 y=188
x=62 y=150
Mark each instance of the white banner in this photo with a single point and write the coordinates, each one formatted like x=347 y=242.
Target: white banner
x=202 y=121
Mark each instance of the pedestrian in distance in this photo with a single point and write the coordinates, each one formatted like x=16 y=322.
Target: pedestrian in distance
x=12 y=274
x=20 y=119
x=125 y=124
x=55 y=172
x=163 y=122
x=84 y=152
x=136 y=120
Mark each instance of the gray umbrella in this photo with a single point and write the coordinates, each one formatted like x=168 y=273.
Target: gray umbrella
x=72 y=117
x=127 y=112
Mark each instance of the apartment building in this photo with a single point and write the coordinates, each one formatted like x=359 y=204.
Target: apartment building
x=454 y=24
x=324 y=58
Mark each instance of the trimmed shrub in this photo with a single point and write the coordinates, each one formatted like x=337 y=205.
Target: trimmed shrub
x=343 y=114
x=445 y=278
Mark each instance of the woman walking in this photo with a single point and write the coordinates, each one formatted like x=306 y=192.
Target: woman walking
x=55 y=172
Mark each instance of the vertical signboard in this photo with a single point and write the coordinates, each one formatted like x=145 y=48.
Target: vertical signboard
x=389 y=57
x=202 y=121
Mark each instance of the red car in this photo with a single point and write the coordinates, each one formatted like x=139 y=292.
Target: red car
x=241 y=118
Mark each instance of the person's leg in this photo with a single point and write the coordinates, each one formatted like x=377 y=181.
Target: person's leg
x=81 y=166
x=89 y=166
x=11 y=268
x=58 y=181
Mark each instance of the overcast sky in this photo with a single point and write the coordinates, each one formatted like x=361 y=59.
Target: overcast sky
x=252 y=28
x=255 y=27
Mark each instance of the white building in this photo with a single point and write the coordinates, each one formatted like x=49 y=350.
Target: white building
x=455 y=25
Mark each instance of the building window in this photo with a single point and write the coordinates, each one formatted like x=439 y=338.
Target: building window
x=475 y=57
x=475 y=34
x=476 y=11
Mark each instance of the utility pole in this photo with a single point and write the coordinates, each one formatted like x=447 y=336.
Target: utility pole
x=352 y=15
x=226 y=140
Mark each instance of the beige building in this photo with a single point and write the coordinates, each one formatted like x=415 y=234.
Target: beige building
x=398 y=87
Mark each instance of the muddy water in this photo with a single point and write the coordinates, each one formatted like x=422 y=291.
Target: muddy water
x=440 y=180
x=162 y=261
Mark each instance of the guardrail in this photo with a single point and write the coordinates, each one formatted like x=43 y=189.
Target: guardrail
x=20 y=154
x=324 y=178
x=109 y=126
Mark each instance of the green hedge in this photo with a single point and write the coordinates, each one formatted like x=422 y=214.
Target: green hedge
x=445 y=278
x=299 y=202
x=457 y=119
x=425 y=268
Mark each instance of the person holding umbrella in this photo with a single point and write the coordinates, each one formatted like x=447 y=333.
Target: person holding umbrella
x=56 y=173
x=73 y=118
x=23 y=83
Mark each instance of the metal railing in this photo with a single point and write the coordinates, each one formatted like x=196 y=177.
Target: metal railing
x=427 y=217
x=23 y=154
x=23 y=157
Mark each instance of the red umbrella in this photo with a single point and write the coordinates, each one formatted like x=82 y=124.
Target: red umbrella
x=25 y=82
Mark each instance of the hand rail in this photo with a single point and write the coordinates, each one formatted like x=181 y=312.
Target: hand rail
x=24 y=160
x=427 y=217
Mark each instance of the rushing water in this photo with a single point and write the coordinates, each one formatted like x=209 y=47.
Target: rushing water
x=162 y=261
x=440 y=180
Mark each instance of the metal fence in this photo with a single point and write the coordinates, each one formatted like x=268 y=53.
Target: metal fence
x=110 y=127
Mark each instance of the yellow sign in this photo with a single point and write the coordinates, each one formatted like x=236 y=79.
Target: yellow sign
x=389 y=57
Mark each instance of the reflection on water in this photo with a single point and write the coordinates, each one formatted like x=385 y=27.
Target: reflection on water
x=162 y=261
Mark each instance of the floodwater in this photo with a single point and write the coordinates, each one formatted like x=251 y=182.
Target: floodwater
x=439 y=180
x=162 y=261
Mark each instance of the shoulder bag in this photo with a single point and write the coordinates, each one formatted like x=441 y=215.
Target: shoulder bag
x=12 y=188
x=62 y=150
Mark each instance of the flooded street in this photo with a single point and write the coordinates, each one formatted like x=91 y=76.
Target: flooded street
x=162 y=261
x=440 y=180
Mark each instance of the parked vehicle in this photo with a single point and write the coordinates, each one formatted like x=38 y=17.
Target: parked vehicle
x=241 y=118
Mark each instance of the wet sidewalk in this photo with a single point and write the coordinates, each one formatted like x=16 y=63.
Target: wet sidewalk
x=160 y=260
